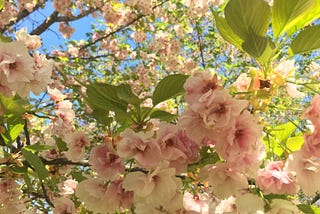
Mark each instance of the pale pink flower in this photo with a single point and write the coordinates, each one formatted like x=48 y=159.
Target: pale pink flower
x=293 y=91
x=243 y=82
x=224 y=180
x=106 y=162
x=281 y=206
x=227 y=206
x=195 y=127
x=312 y=143
x=65 y=112
x=285 y=68
x=277 y=180
x=156 y=188
x=250 y=203
x=55 y=94
x=199 y=88
x=64 y=205
x=140 y=146
x=16 y=65
x=76 y=143
x=240 y=138
x=222 y=109
x=307 y=169
x=68 y=187
x=176 y=147
x=312 y=113
x=198 y=203
x=65 y=29
x=31 y=41
x=92 y=192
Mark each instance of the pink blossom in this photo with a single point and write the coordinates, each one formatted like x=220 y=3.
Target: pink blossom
x=222 y=109
x=312 y=113
x=198 y=203
x=140 y=146
x=240 y=138
x=64 y=111
x=307 y=169
x=76 y=142
x=227 y=206
x=250 y=203
x=280 y=206
x=106 y=162
x=31 y=41
x=68 y=187
x=195 y=127
x=293 y=91
x=92 y=192
x=64 y=205
x=156 y=188
x=275 y=179
x=199 y=88
x=312 y=143
x=176 y=147
x=224 y=180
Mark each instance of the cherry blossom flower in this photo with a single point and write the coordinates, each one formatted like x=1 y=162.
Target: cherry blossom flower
x=224 y=180
x=31 y=41
x=198 y=203
x=275 y=179
x=76 y=142
x=68 y=187
x=140 y=146
x=312 y=113
x=250 y=203
x=279 y=206
x=307 y=169
x=64 y=205
x=106 y=162
x=156 y=188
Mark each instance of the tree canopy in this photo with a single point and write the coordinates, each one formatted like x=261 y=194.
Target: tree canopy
x=159 y=106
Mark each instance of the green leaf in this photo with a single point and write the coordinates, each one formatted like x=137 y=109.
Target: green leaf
x=308 y=209
x=12 y=105
x=105 y=96
x=101 y=115
x=282 y=132
x=15 y=130
x=226 y=32
x=245 y=16
x=37 y=147
x=1 y=4
x=171 y=86
x=307 y=40
x=290 y=16
x=163 y=115
x=295 y=143
x=62 y=146
x=255 y=45
x=124 y=92
x=36 y=163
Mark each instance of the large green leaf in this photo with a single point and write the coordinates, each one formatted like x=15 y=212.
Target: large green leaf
x=36 y=163
x=291 y=15
x=307 y=40
x=245 y=16
x=163 y=115
x=255 y=45
x=171 y=86
x=105 y=96
x=226 y=32
x=1 y=4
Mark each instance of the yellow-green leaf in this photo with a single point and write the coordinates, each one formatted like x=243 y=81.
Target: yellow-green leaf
x=307 y=40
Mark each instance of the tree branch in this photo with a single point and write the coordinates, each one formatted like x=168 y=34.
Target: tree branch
x=55 y=18
x=21 y=15
x=120 y=28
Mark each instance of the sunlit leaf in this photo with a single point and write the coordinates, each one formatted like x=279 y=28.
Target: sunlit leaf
x=290 y=16
x=163 y=115
x=246 y=16
x=307 y=40
x=36 y=163
x=309 y=209
x=171 y=86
